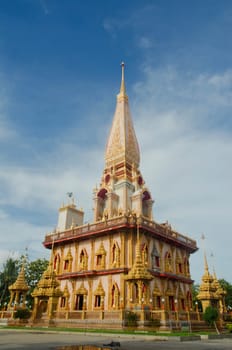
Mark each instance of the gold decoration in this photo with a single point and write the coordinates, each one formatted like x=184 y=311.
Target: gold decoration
x=122 y=144
x=18 y=290
x=82 y=290
x=138 y=271
x=99 y=290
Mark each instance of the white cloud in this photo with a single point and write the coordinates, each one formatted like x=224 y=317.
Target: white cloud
x=186 y=156
x=144 y=42
x=17 y=235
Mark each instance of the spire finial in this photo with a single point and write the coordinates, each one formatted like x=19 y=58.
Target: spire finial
x=123 y=88
x=206 y=263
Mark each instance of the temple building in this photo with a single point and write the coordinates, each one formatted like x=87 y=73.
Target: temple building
x=124 y=259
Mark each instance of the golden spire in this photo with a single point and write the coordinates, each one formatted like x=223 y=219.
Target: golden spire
x=122 y=145
x=138 y=270
x=20 y=283
x=206 y=264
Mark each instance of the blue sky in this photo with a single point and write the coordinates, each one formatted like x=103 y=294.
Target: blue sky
x=59 y=75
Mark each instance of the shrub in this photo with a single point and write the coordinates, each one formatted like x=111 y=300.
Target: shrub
x=154 y=323
x=211 y=315
x=22 y=314
x=131 y=319
x=229 y=327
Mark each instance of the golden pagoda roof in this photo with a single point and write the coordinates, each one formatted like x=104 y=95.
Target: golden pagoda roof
x=138 y=271
x=99 y=290
x=82 y=289
x=66 y=291
x=101 y=250
x=219 y=290
x=207 y=290
x=122 y=145
x=20 y=283
x=48 y=284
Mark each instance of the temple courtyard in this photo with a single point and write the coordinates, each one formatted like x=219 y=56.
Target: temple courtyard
x=47 y=340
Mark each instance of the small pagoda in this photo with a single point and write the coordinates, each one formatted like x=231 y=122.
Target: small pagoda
x=211 y=293
x=139 y=276
x=18 y=291
x=46 y=295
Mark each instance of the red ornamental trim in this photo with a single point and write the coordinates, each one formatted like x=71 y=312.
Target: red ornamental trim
x=91 y=273
x=172 y=277
x=72 y=237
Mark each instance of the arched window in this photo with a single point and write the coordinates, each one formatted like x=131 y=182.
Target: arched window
x=179 y=264
x=56 y=263
x=186 y=267
x=155 y=258
x=83 y=260
x=99 y=296
x=68 y=261
x=101 y=257
x=145 y=254
x=168 y=262
x=115 y=297
x=114 y=254
x=115 y=260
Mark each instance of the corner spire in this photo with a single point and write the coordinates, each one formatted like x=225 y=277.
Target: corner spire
x=206 y=263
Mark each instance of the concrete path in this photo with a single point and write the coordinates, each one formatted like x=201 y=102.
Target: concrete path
x=39 y=340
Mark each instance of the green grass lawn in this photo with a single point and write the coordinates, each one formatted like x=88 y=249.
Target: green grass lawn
x=109 y=331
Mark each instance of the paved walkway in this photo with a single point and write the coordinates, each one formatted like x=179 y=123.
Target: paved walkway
x=46 y=340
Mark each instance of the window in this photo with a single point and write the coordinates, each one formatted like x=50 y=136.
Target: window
x=186 y=266
x=155 y=258
x=56 y=263
x=97 y=301
x=82 y=255
x=101 y=257
x=99 y=260
x=168 y=262
x=63 y=302
x=83 y=260
x=114 y=253
x=68 y=261
x=79 y=302
x=157 y=261
x=113 y=297
x=171 y=303
x=66 y=264
x=145 y=254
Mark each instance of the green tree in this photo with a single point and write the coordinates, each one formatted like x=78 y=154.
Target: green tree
x=7 y=277
x=33 y=272
x=228 y=289
x=196 y=303
x=211 y=315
